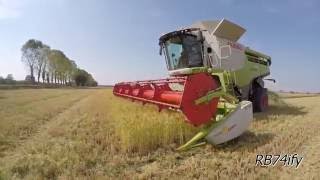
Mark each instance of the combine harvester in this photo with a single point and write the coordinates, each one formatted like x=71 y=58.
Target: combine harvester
x=214 y=81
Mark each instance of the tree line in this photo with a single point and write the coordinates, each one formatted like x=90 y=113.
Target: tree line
x=8 y=80
x=52 y=66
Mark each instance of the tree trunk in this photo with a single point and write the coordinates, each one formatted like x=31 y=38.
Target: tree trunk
x=52 y=75
x=48 y=78
x=44 y=76
x=32 y=74
x=39 y=76
x=55 y=77
x=44 y=73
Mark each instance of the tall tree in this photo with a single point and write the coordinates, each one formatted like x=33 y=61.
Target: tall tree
x=58 y=63
x=83 y=78
x=52 y=65
x=31 y=54
x=41 y=60
x=72 y=71
x=43 y=63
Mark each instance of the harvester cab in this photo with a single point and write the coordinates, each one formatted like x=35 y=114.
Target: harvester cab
x=214 y=81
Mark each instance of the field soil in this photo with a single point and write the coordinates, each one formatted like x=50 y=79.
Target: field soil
x=90 y=134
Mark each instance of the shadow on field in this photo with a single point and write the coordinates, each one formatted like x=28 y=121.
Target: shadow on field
x=247 y=141
x=280 y=110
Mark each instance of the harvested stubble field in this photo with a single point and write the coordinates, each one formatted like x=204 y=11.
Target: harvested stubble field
x=90 y=134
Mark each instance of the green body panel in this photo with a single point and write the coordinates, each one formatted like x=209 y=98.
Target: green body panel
x=249 y=72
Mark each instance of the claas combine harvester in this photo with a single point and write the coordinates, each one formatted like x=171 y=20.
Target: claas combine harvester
x=214 y=81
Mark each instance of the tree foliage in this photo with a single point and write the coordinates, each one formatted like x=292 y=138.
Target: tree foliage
x=8 y=80
x=31 y=53
x=53 y=66
x=83 y=78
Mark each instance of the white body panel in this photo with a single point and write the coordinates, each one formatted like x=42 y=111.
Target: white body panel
x=222 y=37
x=228 y=30
x=226 y=54
x=235 y=124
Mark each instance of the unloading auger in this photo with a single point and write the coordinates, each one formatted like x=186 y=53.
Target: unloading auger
x=214 y=81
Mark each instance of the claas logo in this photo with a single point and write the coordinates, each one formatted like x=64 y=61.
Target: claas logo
x=226 y=129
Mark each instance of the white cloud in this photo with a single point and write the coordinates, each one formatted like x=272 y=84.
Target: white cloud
x=10 y=8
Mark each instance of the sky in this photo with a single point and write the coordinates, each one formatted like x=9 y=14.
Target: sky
x=117 y=40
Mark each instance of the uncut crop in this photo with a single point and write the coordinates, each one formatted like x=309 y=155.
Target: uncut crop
x=143 y=128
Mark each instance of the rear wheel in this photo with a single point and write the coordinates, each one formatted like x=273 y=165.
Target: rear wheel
x=260 y=99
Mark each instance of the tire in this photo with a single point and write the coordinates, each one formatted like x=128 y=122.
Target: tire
x=260 y=99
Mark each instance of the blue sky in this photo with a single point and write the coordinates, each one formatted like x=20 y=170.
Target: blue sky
x=118 y=40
